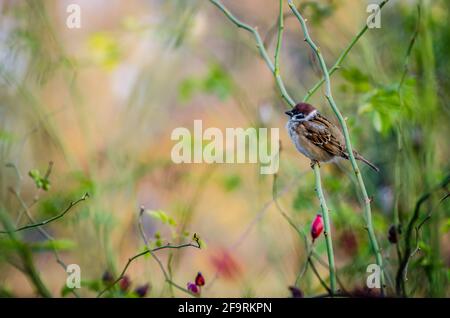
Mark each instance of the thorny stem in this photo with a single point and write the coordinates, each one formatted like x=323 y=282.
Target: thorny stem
x=275 y=70
x=26 y=256
x=301 y=233
x=45 y=222
x=327 y=228
x=43 y=232
x=337 y=64
x=260 y=45
x=329 y=97
x=412 y=41
x=407 y=254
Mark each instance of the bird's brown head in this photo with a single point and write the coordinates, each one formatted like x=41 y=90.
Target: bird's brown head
x=301 y=111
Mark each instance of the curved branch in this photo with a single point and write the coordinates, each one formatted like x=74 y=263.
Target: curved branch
x=45 y=222
x=399 y=279
x=327 y=228
x=337 y=64
x=260 y=45
x=362 y=187
x=147 y=251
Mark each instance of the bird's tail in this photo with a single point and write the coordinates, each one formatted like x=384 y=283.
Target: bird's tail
x=367 y=162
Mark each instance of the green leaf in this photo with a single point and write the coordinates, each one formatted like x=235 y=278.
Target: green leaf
x=59 y=245
x=377 y=121
x=218 y=82
x=159 y=215
x=34 y=174
x=231 y=182
x=172 y=221
x=105 y=49
x=357 y=79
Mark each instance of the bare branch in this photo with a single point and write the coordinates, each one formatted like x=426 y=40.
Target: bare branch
x=151 y=252
x=45 y=222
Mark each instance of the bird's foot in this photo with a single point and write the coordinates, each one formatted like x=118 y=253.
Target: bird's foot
x=313 y=163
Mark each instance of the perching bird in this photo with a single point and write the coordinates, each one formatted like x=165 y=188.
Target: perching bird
x=316 y=137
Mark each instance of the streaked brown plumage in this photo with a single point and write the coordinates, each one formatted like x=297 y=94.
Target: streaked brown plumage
x=316 y=137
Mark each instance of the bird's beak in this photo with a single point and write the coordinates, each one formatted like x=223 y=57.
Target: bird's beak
x=289 y=113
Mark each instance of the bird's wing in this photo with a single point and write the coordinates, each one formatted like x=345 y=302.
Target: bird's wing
x=319 y=133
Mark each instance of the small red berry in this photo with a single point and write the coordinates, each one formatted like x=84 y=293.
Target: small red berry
x=316 y=227
x=199 y=279
x=193 y=288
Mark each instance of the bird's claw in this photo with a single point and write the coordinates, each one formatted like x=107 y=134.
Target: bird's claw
x=313 y=163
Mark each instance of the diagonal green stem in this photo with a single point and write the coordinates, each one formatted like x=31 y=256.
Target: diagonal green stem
x=54 y=218
x=362 y=187
x=275 y=68
x=327 y=232
x=262 y=50
x=341 y=58
x=26 y=256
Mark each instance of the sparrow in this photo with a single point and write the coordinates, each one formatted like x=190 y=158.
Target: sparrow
x=316 y=137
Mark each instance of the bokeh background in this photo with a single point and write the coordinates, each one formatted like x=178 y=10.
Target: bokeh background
x=101 y=101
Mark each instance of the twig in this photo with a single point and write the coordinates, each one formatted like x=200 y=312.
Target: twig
x=322 y=282
x=43 y=232
x=45 y=222
x=274 y=68
x=151 y=252
x=26 y=209
x=276 y=72
x=399 y=279
x=329 y=97
x=338 y=63
x=410 y=47
x=260 y=45
x=25 y=254
x=161 y=266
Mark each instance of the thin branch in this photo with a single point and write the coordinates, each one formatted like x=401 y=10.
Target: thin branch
x=45 y=222
x=161 y=266
x=43 y=232
x=260 y=45
x=151 y=252
x=399 y=279
x=322 y=282
x=276 y=72
x=410 y=47
x=271 y=32
x=338 y=63
x=329 y=97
